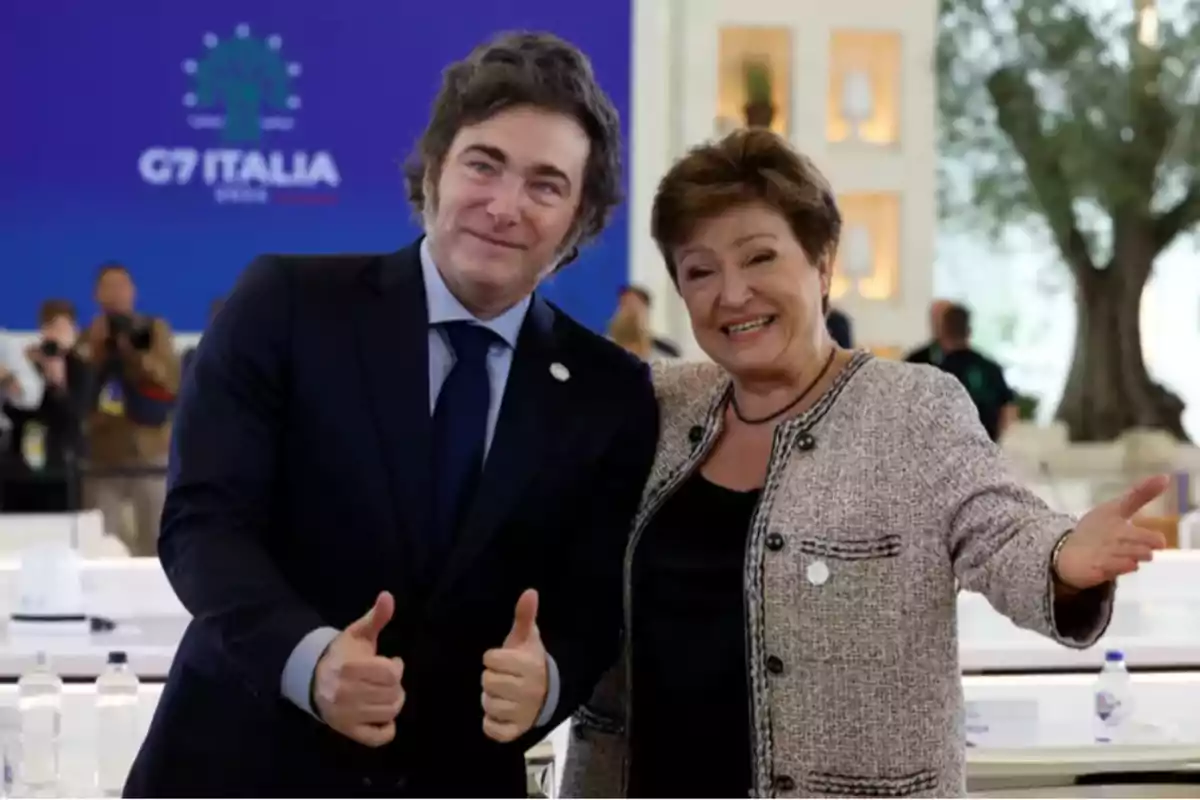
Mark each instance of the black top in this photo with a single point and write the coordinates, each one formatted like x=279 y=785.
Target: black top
x=690 y=731
x=984 y=380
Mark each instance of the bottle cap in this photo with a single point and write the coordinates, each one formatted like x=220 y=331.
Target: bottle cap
x=1113 y=656
x=118 y=657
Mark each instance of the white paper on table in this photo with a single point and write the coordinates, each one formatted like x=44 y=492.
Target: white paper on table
x=1002 y=723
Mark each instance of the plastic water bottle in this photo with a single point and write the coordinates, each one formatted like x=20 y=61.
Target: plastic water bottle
x=39 y=699
x=116 y=724
x=1113 y=694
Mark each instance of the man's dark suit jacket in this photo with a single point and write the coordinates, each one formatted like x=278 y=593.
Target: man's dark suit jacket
x=298 y=490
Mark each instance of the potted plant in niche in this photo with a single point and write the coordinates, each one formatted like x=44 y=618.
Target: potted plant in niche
x=760 y=109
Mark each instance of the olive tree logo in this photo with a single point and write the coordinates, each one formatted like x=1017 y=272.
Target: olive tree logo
x=247 y=77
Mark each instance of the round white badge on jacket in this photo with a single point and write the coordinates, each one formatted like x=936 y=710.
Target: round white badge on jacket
x=560 y=371
x=818 y=573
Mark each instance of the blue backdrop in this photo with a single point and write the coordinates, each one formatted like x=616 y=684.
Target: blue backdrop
x=182 y=139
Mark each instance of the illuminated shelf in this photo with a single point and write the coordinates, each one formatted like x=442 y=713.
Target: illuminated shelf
x=863 y=105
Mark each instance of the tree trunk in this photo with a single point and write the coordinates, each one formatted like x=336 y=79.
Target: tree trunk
x=1109 y=390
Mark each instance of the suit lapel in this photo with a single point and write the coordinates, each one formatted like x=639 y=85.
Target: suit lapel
x=530 y=416
x=393 y=347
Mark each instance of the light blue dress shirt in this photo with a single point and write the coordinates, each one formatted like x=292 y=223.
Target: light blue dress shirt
x=442 y=307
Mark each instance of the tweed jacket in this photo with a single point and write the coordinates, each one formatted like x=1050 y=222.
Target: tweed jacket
x=890 y=482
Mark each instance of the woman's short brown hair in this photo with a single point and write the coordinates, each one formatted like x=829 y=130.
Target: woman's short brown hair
x=747 y=166
x=526 y=69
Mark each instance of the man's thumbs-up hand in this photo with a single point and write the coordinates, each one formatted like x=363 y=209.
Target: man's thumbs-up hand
x=368 y=627
x=515 y=678
x=356 y=691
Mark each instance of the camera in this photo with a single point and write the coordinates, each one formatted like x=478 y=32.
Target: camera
x=50 y=348
x=140 y=336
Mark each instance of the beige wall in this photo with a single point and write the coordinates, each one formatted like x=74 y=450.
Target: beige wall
x=678 y=60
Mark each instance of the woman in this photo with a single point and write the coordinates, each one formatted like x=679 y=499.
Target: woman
x=791 y=578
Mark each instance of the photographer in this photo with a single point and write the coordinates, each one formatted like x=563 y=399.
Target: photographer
x=47 y=441
x=20 y=391
x=137 y=375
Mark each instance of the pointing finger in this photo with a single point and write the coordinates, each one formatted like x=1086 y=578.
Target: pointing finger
x=1140 y=495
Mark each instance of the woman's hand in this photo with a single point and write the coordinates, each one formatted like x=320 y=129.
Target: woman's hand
x=1106 y=544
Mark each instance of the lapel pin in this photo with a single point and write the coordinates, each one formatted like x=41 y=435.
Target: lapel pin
x=560 y=371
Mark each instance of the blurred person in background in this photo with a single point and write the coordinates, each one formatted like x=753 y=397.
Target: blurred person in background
x=214 y=308
x=630 y=326
x=20 y=390
x=982 y=377
x=931 y=352
x=401 y=484
x=840 y=328
x=136 y=372
x=48 y=441
x=812 y=512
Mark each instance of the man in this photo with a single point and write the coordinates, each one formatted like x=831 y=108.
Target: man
x=982 y=377
x=136 y=369
x=630 y=326
x=931 y=353
x=47 y=441
x=399 y=583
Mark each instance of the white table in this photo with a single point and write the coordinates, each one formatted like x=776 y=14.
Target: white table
x=1152 y=633
x=77 y=748
x=1156 y=624
x=1062 y=753
x=1061 y=749
x=149 y=642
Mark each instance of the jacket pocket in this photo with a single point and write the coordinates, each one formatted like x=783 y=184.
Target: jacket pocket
x=923 y=782
x=850 y=597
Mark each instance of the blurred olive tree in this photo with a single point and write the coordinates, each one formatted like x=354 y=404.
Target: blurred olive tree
x=1080 y=119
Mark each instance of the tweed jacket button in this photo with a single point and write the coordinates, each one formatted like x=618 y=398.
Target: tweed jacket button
x=784 y=783
x=774 y=542
x=806 y=442
x=775 y=665
x=695 y=434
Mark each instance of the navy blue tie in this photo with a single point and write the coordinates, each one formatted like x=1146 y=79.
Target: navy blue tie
x=459 y=433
